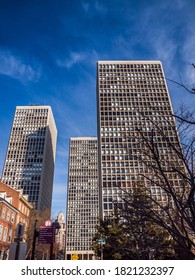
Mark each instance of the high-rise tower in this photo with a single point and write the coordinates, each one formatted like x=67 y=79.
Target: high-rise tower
x=83 y=197
x=30 y=157
x=133 y=100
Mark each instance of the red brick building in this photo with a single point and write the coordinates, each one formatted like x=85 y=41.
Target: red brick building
x=14 y=209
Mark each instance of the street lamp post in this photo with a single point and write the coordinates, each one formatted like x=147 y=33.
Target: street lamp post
x=56 y=227
x=101 y=241
x=36 y=234
x=102 y=255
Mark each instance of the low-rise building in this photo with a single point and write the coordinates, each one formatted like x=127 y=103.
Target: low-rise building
x=14 y=209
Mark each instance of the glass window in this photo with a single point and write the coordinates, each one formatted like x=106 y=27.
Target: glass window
x=8 y=216
x=5 y=234
x=10 y=235
x=3 y=213
x=12 y=218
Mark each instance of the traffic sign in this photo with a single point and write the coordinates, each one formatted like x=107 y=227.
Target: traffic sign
x=74 y=257
x=101 y=240
x=46 y=235
x=48 y=223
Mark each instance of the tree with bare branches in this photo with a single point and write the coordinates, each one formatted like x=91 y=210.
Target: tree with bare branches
x=41 y=249
x=167 y=174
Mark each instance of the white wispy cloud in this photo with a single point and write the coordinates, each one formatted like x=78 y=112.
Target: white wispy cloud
x=85 y=6
x=100 y=8
x=96 y=7
x=63 y=151
x=68 y=119
x=89 y=57
x=188 y=54
x=165 y=52
x=74 y=58
x=14 y=67
x=59 y=197
x=179 y=4
x=60 y=190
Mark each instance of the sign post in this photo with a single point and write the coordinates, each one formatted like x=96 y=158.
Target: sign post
x=101 y=241
x=35 y=235
x=18 y=248
x=47 y=234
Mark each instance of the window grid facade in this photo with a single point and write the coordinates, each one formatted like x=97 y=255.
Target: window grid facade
x=83 y=197
x=29 y=163
x=132 y=96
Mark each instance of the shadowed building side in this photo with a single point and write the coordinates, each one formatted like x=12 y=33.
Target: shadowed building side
x=83 y=198
x=29 y=162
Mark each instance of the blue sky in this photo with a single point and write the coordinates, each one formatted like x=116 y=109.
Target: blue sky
x=49 y=50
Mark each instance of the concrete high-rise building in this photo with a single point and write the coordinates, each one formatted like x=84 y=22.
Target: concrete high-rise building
x=29 y=162
x=132 y=96
x=83 y=198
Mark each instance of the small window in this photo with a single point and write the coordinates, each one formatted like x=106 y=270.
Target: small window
x=10 y=236
x=3 y=213
x=3 y=194
x=5 y=234
x=8 y=216
x=12 y=218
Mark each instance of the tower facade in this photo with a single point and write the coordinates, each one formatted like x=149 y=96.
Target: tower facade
x=30 y=157
x=61 y=236
x=83 y=198
x=132 y=100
